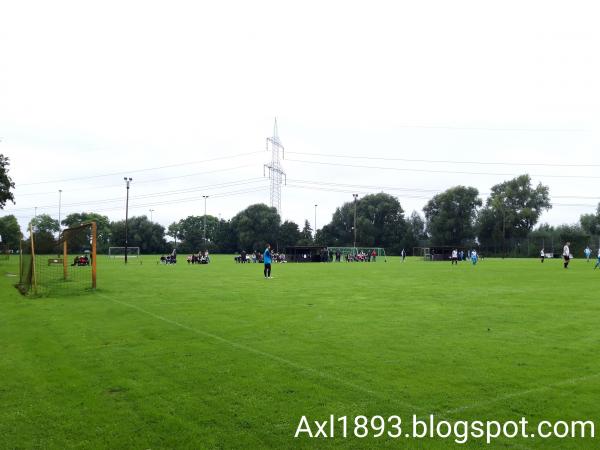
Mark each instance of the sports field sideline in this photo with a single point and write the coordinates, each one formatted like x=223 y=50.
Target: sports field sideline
x=216 y=356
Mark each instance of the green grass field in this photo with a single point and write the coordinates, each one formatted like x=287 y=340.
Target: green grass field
x=176 y=357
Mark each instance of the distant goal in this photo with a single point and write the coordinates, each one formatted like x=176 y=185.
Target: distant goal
x=119 y=252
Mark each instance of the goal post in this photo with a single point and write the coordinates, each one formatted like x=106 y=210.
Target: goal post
x=80 y=241
x=65 y=265
x=119 y=252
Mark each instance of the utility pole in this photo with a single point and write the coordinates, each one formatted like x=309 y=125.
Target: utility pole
x=355 y=197
x=59 y=205
x=205 y=197
x=316 y=220
x=127 y=181
x=504 y=231
x=151 y=211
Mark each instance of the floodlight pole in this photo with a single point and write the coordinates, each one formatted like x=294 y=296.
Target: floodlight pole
x=151 y=211
x=355 y=197
x=127 y=181
x=59 y=205
x=504 y=231
x=316 y=220
x=204 y=233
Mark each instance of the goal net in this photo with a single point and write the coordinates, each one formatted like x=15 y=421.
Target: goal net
x=58 y=266
x=119 y=252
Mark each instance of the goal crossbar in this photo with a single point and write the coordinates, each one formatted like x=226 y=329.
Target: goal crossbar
x=119 y=252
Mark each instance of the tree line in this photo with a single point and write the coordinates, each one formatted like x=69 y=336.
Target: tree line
x=504 y=225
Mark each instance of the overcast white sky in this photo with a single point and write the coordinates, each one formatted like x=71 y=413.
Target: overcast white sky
x=96 y=88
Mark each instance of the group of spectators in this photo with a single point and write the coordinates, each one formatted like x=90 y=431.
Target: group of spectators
x=258 y=257
x=82 y=260
x=202 y=257
x=362 y=256
x=169 y=259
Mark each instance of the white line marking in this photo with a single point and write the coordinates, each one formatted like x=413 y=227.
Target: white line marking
x=348 y=383
x=522 y=393
x=265 y=354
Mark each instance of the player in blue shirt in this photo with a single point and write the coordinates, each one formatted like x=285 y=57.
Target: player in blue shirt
x=587 y=252
x=474 y=257
x=597 y=262
x=267 y=261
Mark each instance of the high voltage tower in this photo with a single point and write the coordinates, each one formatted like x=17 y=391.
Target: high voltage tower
x=276 y=173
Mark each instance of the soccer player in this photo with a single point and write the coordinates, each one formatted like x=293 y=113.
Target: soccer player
x=566 y=255
x=587 y=252
x=267 y=261
x=474 y=257
x=542 y=255
x=403 y=253
x=454 y=258
x=597 y=262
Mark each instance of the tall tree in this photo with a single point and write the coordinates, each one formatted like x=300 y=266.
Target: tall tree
x=255 y=226
x=379 y=223
x=451 y=216
x=102 y=227
x=306 y=236
x=191 y=233
x=44 y=227
x=416 y=226
x=173 y=231
x=148 y=236
x=226 y=240
x=590 y=223
x=44 y=223
x=6 y=183
x=289 y=234
x=416 y=231
x=512 y=210
x=10 y=231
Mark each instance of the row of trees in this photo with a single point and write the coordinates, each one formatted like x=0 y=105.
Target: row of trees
x=504 y=224
x=455 y=217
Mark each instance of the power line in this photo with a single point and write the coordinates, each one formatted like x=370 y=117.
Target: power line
x=406 y=192
x=445 y=161
x=153 y=194
x=348 y=191
x=395 y=188
x=169 y=202
x=398 y=188
x=154 y=180
x=65 y=180
x=190 y=199
x=527 y=130
x=437 y=171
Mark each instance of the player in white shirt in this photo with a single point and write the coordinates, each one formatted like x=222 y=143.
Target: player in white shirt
x=566 y=255
x=454 y=257
x=542 y=255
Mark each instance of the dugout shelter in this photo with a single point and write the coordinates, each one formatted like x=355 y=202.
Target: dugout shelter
x=306 y=253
